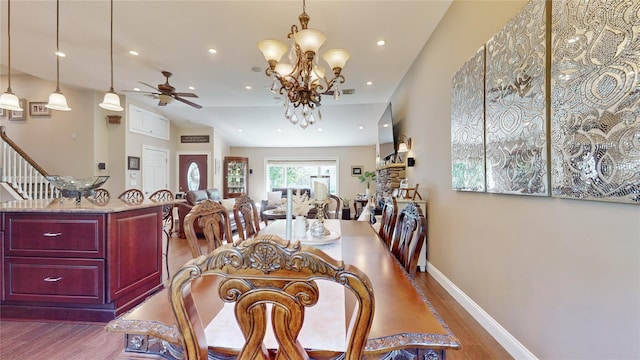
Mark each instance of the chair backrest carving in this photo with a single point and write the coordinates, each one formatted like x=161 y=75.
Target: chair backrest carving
x=245 y=214
x=406 y=243
x=132 y=196
x=213 y=219
x=100 y=196
x=388 y=220
x=268 y=269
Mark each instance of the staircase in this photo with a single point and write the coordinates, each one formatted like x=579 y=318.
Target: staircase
x=22 y=177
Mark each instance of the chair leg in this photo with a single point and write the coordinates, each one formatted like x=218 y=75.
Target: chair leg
x=166 y=252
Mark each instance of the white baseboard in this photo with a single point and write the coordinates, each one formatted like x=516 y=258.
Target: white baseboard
x=502 y=336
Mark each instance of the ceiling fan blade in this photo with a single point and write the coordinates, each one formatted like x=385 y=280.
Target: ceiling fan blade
x=153 y=87
x=188 y=102
x=186 y=95
x=140 y=92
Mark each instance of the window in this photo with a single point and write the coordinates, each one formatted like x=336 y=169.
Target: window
x=297 y=173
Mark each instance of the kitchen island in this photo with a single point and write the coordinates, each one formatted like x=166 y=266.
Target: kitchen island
x=79 y=262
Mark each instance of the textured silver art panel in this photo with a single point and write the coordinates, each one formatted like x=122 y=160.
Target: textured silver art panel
x=467 y=125
x=516 y=121
x=595 y=100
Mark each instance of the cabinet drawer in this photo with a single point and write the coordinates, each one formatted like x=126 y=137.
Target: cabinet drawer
x=55 y=236
x=54 y=280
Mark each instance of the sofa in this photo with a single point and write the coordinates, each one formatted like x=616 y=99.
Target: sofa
x=194 y=197
x=272 y=201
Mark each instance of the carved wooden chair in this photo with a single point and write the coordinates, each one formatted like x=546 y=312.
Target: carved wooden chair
x=167 y=218
x=213 y=219
x=100 y=196
x=388 y=220
x=245 y=214
x=132 y=196
x=269 y=270
x=409 y=235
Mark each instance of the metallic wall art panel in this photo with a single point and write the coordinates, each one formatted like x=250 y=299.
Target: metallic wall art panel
x=467 y=125
x=595 y=100
x=516 y=121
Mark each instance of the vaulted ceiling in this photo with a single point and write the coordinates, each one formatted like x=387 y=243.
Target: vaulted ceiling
x=176 y=36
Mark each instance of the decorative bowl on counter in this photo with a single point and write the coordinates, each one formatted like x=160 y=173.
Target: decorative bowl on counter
x=77 y=188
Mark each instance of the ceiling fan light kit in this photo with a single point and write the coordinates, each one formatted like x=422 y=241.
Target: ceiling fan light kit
x=111 y=99
x=303 y=81
x=8 y=100
x=57 y=101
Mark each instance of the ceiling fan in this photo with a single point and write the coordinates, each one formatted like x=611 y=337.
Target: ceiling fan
x=166 y=93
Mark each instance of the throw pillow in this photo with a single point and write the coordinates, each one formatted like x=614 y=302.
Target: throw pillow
x=274 y=198
x=228 y=203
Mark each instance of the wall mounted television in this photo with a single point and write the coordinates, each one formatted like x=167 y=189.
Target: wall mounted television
x=386 y=139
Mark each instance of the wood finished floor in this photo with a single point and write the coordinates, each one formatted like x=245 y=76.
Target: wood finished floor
x=81 y=341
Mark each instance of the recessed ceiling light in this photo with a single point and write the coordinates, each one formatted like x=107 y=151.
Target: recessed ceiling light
x=134 y=53
x=60 y=54
x=279 y=130
x=192 y=87
x=213 y=51
x=369 y=83
x=385 y=125
x=239 y=130
x=136 y=89
x=381 y=43
x=360 y=127
x=319 y=129
x=248 y=87
x=256 y=69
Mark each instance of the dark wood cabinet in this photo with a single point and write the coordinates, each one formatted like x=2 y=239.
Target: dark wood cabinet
x=77 y=266
x=236 y=180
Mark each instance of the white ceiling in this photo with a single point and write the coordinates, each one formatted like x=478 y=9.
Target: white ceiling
x=176 y=35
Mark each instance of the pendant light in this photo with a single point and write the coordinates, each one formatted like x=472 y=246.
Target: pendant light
x=57 y=101
x=111 y=100
x=9 y=100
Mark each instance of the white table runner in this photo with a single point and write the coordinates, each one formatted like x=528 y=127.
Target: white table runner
x=324 y=327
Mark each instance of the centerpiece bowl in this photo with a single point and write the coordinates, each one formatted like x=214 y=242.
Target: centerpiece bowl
x=77 y=188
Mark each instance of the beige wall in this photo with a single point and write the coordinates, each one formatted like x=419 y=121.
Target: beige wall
x=562 y=276
x=348 y=186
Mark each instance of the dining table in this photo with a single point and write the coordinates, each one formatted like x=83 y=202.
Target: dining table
x=405 y=325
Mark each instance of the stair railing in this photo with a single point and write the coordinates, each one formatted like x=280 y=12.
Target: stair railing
x=22 y=173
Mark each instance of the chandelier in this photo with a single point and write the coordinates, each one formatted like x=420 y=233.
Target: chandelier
x=303 y=80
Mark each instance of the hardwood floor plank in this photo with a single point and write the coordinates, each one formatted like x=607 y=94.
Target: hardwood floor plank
x=81 y=341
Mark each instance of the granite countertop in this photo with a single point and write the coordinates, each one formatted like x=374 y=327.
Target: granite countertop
x=68 y=205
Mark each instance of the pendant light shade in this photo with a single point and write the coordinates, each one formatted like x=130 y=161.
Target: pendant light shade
x=57 y=101
x=111 y=100
x=8 y=100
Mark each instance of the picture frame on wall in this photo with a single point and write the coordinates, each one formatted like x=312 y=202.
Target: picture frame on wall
x=356 y=170
x=133 y=163
x=39 y=109
x=19 y=115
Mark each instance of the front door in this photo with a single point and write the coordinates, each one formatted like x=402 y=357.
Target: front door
x=193 y=172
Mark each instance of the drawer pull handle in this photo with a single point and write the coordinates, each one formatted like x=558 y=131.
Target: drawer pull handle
x=52 y=234
x=50 y=279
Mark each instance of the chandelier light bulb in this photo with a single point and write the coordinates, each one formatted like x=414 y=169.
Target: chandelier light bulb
x=309 y=40
x=272 y=49
x=336 y=58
